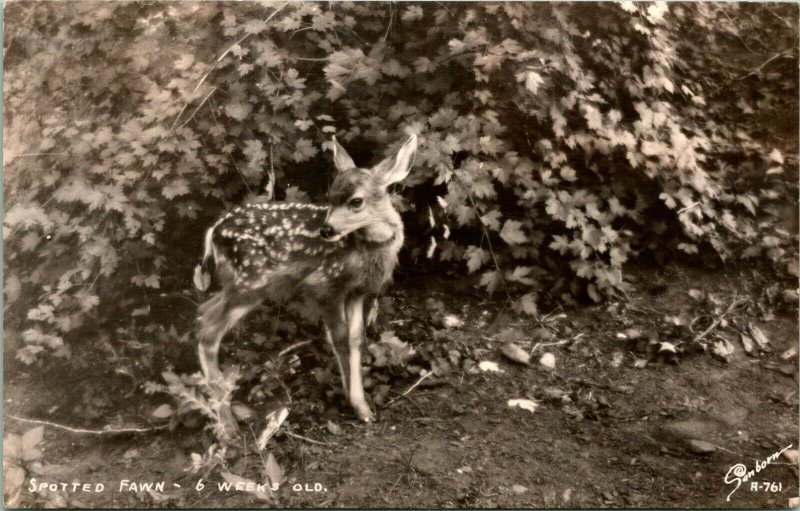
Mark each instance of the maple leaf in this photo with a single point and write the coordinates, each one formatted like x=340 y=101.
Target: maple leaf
x=492 y=220
x=491 y=281
x=475 y=257
x=532 y=81
x=238 y=110
x=176 y=188
x=512 y=233
x=527 y=303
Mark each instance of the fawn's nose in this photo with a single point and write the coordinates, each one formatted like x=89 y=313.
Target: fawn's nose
x=326 y=232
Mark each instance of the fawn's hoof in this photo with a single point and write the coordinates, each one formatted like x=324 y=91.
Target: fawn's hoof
x=364 y=413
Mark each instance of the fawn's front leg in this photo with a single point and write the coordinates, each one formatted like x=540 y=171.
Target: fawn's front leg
x=344 y=330
x=354 y=309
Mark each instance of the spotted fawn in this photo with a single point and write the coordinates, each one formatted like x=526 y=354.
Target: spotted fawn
x=337 y=256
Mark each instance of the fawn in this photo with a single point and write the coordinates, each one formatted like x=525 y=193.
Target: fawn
x=337 y=256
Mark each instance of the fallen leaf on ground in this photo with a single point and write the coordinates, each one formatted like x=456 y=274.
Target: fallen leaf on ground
x=525 y=404
x=274 y=421
x=163 y=412
x=616 y=358
x=701 y=447
x=758 y=335
x=273 y=470
x=488 y=366
x=516 y=354
x=450 y=321
x=334 y=428
x=548 y=361
x=723 y=349
x=519 y=489
x=242 y=412
x=747 y=343
x=790 y=353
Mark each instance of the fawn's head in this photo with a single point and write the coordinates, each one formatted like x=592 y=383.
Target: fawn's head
x=358 y=199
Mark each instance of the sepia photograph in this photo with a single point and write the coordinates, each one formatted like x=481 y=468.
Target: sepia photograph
x=400 y=255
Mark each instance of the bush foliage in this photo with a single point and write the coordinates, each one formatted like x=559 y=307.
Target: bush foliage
x=563 y=139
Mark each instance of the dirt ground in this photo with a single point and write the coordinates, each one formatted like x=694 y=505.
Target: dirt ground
x=608 y=431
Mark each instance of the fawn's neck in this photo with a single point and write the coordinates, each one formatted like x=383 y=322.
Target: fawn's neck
x=385 y=232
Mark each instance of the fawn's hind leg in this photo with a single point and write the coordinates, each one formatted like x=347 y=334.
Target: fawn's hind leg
x=218 y=315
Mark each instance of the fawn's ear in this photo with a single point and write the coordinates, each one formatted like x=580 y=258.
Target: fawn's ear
x=394 y=170
x=341 y=159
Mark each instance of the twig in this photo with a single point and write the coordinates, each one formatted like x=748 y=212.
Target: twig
x=293 y=347
x=214 y=65
x=306 y=439
x=404 y=394
x=545 y=344
x=87 y=431
x=483 y=225
x=762 y=66
x=203 y=102
x=30 y=155
x=687 y=208
x=718 y=319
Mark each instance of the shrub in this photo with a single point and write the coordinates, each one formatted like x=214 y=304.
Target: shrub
x=564 y=139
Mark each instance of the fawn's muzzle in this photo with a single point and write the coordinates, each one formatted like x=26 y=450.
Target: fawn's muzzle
x=326 y=232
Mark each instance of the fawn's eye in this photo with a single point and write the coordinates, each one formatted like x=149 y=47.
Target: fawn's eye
x=356 y=202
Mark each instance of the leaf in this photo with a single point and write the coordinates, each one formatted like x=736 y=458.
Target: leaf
x=776 y=156
x=152 y=281
x=520 y=274
x=163 y=412
x=489 y=367
x=242 y=412
x=475 y=257
x=528 y=304
x=525 y=404
x=32 y=437
x=723 y=349
x=758 y=335
x=238 y=110
x=512 y=233
x=492 y=220
x=274 y=421
x=491 y=280
x=568 y=174
x=516 y=354
x=412 y=13
x=175 y=188
x=391 y=351
x=547 y=360
x=273 y=470
x=532 y=81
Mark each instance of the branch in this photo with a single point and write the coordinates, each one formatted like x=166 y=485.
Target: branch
x=404 y=394
x=214 y=65
x=762 y=66
x=306 y=439
x=718 y=319
x=88 y=431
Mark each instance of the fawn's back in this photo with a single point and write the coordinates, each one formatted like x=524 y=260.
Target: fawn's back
x=276 y=248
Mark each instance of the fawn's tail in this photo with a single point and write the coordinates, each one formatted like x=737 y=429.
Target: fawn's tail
x=204 y=272
x=210 y=258
x=209 y=252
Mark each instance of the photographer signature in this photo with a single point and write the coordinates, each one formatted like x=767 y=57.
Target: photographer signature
x=739 y=474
